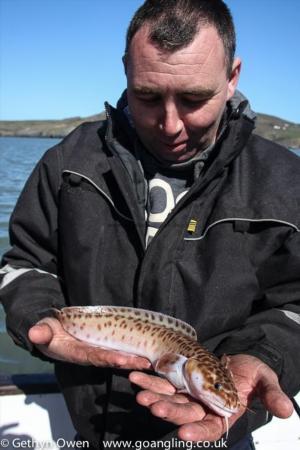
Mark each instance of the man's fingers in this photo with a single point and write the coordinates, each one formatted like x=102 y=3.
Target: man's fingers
x=152 y=383
x=148 y=398
x=101 y=357
x=40 y=334
x=44 y=330
x=274 y=398
x=178 y=413
x=211 y=428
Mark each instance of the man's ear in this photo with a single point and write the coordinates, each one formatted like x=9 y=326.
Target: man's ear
x=125 y=62
x=234 y=77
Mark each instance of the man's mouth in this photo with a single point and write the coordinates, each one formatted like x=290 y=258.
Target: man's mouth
x=175 y=146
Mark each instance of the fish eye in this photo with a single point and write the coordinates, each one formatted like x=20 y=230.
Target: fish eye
x=218 y=386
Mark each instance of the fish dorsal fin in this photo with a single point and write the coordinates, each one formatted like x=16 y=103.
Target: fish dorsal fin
x=144 y=315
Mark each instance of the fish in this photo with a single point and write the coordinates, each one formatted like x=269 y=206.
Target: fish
x=168 y=343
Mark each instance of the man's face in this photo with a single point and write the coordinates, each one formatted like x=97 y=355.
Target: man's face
x=177 y=99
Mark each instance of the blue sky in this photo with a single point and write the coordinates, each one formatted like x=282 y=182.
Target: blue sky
x=62 y=58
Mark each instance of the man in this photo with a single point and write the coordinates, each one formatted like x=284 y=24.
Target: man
x=219 y=247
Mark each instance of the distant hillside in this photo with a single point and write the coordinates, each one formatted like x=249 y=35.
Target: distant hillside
x=44 y=128
x=274 y=128
x=278 y=130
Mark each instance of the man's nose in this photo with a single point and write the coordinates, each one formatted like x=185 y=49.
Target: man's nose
x=171 y=122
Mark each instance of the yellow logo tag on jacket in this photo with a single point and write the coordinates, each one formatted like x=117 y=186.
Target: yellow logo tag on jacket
x=192 y=226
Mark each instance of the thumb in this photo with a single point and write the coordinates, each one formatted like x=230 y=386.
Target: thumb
x=274 y=399
x=42 y=332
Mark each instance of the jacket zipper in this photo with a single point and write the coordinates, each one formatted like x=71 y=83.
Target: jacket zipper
x=101 y=192
x=108 y=139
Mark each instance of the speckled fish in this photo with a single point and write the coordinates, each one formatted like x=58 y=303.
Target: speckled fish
x=170 y=344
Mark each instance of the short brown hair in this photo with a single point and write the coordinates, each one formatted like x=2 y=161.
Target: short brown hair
x=174 y=24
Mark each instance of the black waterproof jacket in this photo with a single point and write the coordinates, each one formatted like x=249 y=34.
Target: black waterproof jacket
x=78 y=238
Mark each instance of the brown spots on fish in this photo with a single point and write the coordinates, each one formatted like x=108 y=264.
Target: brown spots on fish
x=113 y=332
x=162 y=333
x=99 y=327
x=137 y=313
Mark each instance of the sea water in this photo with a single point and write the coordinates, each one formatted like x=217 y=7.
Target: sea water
x=18 y=157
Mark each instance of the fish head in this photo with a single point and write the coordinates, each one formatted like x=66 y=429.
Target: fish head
x=211 y=383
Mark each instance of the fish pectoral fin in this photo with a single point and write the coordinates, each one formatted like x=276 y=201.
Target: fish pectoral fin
x=170 y=366
x=166 y=362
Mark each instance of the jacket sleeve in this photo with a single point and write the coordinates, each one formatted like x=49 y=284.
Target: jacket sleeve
x=29 y=277
x=272 y=331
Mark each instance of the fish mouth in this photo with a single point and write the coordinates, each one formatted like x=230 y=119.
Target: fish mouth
x=217 y=406
x=222 y=410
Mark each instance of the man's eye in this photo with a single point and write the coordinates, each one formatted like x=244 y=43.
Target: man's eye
x=148 y=98
x=190 y=101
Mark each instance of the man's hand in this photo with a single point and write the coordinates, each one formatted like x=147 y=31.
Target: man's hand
x=50 y=338
x=196 y=423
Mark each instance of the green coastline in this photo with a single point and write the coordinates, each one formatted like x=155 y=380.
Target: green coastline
x=279 y=130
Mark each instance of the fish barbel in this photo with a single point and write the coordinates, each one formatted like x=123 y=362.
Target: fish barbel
x=170 y=345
